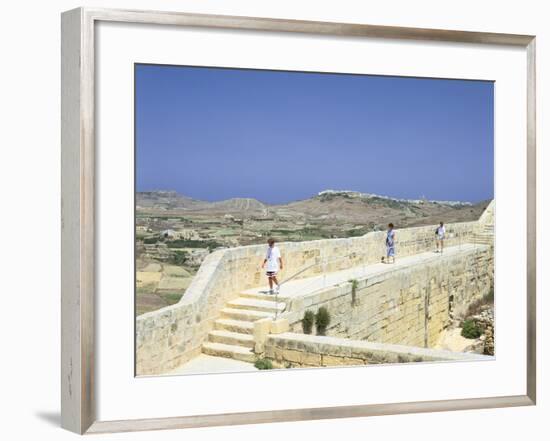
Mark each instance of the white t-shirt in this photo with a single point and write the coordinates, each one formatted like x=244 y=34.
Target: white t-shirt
x=273 y=255
x=441 y=232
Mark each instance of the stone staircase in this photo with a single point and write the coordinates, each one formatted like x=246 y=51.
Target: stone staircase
x=486 y=235
x=232 y=336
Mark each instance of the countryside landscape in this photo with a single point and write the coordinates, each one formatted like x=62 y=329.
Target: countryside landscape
x=174 y=233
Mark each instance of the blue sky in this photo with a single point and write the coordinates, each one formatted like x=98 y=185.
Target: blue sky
x=278 y=136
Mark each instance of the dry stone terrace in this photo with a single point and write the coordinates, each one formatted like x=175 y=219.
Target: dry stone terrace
x=224 y=313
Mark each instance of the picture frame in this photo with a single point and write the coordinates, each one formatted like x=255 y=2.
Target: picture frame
x=78 y=327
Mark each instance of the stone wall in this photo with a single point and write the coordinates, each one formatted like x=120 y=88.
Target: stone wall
x=488 y=215
x=172 y=335
x=408 y=305
x=300 y=350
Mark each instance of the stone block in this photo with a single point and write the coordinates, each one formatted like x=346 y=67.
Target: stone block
x=310 y=359
x=330 y=360
x=279 y=326
x=292 y=356
x=354 y=361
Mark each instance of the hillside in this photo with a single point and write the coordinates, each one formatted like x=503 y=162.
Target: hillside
x=328 y=206
x=237 y=206
x=381 y=210
x=166 y=200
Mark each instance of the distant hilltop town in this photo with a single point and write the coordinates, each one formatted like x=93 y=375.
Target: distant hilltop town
x=357 y=194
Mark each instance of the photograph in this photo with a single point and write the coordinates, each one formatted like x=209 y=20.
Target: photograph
x=290 y=219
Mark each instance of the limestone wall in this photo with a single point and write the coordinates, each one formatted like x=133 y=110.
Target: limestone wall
x=488 y=216
x=408 y=305
x=299 y=350
x=172 y=335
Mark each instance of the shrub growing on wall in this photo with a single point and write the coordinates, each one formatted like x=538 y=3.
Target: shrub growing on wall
x=307 y=322
x=263 y=363
x=354 y=285
x=490 y=297
x=470 y=329
x=322 y=320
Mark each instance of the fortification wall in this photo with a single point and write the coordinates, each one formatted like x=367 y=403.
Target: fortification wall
x=409 y=305
x=488 y=215
x=300 y=350
x=173 y=335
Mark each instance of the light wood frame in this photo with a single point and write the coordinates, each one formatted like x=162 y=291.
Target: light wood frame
x=78 y=403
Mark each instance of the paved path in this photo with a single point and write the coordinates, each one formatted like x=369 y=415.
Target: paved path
x=307 y=285
x=204 y=364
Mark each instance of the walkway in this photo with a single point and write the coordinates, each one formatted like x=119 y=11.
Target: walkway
x=207 y=364
x=308 y=285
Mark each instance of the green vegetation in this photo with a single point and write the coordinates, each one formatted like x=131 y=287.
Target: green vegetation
x=191 y=243
x=179 y=257
x=355 y=232
x=307 y=322
x=263 y=363
x=280 y=231
x=163 y=216
x=322 y=320
x=151 y=240
x=490 y=296
x=354 y=285
x=390 y=203
x=470 y=329
x=171 y=297
x=146 y=289
x=312 y=233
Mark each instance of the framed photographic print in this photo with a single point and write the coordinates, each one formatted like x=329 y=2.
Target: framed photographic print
x=306 y=211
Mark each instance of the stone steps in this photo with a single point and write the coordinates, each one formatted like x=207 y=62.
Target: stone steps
x=239 y=326
x=233 y=333
x=228 y=351
x=231 y=338
x=261 y=296
x=245 y=314
x=256 y=305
